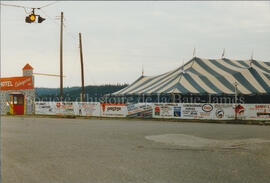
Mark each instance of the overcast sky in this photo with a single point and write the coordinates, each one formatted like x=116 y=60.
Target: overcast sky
x=120 y=37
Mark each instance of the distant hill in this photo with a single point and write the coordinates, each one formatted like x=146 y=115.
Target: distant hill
x=73 y=93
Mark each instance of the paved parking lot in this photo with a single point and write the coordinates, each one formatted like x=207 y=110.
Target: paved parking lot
x=46 y=150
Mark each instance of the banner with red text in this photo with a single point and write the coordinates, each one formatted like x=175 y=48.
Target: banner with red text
x=17 y=83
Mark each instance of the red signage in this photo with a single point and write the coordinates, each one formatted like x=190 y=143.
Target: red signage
x=113 y=108
x=17 y=83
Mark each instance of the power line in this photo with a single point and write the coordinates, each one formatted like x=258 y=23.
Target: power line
x=20 y=6
x=53 y=20
x=40 y=8
x=57 y=23
x=13 y=5
x=17 y=6
x=25 y=7
x=71 y=34
x=47 y=5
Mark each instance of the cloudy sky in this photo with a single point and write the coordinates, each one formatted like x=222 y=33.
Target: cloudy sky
x=120 y=37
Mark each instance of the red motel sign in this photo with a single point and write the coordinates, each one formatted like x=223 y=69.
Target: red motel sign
x=17 y=83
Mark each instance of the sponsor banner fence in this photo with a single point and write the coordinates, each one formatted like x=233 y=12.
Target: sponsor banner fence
x=143 y=110
x=164 y=110
x=253 y=111
x=68 y=108
x=157 y=110
x=87 y=108
x=65 y=108
x=48 y=108
x=113 y=110
x=194 y=111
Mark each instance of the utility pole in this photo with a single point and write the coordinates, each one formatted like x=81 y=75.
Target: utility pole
x=235 y=99
x=61 y=57
x=223 y=54
x=82 y=70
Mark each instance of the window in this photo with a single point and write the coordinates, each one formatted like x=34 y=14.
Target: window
x=15 y=100
x=20 y=100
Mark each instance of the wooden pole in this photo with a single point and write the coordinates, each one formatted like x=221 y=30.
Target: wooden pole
x=82 y=70
x=61 y=57
x=235 y=99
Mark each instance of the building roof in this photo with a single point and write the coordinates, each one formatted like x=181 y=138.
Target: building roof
x=206 y=76
x=28 y=67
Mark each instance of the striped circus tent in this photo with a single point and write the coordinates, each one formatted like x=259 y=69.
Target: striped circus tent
x=206 y=76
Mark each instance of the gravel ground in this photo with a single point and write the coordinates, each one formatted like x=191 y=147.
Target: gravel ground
x=47 y=150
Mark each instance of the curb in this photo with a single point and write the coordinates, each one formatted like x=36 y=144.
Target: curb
x=242 y=122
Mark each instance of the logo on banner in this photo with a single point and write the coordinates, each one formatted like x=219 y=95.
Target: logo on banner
x=114 y=109
x=157 y=111
x=239 y=109
x=219 y=113
x=207 y=107
x=177 y=112
x=111 y=107
x=58 y=105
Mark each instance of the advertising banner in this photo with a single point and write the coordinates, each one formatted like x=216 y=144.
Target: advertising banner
x=68 y=108
x=87 y=108
x=48 y=108
x=113 y=110
x=17 y=83
x=160 y=110
x=254 y=111
x=207 y=111
x=64 y=108
x=143 y=110
x=193 y=111
x=166 y=110
x=223 y=111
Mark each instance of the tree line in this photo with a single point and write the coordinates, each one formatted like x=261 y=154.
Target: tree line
x=73 y=93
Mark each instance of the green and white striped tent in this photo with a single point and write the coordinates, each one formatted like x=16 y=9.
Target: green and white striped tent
x=206 y=76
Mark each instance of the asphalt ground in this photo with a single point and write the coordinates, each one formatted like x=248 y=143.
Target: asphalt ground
x=48 y=150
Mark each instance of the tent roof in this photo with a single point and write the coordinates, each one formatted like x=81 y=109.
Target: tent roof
x=206 y=76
